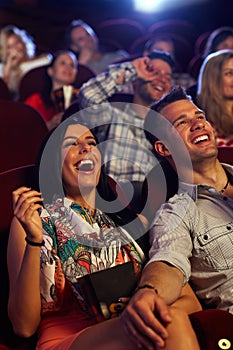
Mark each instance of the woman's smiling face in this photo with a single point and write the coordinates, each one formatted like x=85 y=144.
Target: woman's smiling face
x=227 y=79
x=80 y=159
x=64 y=70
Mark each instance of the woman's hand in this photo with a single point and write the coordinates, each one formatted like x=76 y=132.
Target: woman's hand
x=26 y=203
x=14 y=59
x=145 y=319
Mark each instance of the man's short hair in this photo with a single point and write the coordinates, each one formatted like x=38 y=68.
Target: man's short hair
x=152 y=123
x=162 y=55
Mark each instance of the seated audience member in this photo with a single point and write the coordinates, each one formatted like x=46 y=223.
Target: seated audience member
x=52 y=247
x=215 y=94
x=191 y=235
x=83 y=41
x=159 y=43
x=220 y=39
x=129 y=156
x=167 y=44
x=59 y=92
x=18 y=56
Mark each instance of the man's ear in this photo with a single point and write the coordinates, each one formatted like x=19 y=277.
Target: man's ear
x=161 y=149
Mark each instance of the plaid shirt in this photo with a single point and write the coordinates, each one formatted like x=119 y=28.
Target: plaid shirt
x=194 y=232
x=127 y=153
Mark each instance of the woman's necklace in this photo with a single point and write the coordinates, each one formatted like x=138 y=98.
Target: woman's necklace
x=225 y=187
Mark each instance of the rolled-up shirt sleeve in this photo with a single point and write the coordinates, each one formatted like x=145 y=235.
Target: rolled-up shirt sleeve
x=98 y=89
x=171 y=233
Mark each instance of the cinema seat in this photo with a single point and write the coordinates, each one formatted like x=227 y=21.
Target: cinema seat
x=9 y=181
x=22 y=130
x=4 y=91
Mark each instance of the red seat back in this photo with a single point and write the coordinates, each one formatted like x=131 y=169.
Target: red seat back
x=22 y=131
x=225 y=154
x=214 y=329
x=4 y=91
x=9 y=181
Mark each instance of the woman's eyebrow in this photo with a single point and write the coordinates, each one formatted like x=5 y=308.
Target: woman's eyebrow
x=90 y=137
x=70 y=137
x=76 y=137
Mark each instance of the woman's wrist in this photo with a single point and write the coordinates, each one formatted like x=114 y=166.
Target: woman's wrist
x=33 y=243
x=6 y=76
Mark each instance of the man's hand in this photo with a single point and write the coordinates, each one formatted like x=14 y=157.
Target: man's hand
x=145 y=319
x=144 y=68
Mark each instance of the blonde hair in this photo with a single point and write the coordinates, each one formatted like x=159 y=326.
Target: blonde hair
x=209 y=92
x=10 y=30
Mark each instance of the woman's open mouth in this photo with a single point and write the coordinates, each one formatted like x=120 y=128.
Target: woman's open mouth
x=85 y=165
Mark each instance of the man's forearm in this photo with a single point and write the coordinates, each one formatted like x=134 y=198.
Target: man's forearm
x=104 y=85
x=166 y=279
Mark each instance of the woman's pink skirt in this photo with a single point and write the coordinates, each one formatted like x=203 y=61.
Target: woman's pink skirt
x=57 y=331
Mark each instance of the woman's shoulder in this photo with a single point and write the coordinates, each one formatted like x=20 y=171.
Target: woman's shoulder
x=38 y=61
x=34 y=99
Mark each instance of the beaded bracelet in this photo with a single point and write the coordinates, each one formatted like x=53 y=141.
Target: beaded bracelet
x=34 y=244
x=147 y=285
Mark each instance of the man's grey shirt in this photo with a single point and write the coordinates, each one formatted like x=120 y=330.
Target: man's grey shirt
x=194 y=232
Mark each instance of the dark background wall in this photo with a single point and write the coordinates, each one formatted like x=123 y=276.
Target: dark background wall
x=46 y=20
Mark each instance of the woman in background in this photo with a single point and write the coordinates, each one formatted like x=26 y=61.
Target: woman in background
x=18 y=56
x=215 y=94
x=219 y=39
x=59 y=91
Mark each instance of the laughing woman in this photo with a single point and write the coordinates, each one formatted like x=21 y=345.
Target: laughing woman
x=81 y=230
x=215 y=94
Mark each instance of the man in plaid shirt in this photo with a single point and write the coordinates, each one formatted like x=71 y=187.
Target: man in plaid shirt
x=127 y=153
